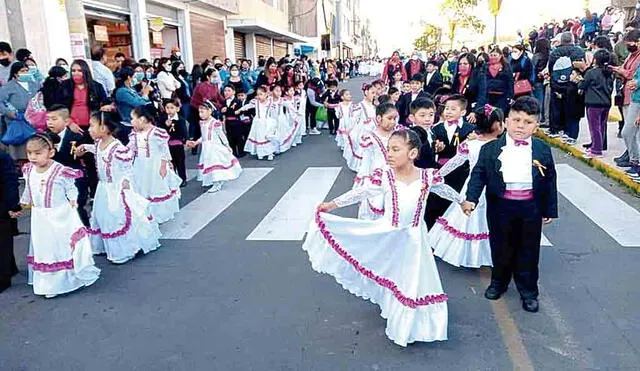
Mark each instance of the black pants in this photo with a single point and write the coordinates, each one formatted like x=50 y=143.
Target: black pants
x=89 y=161
x=334 y=122
x=178 y=161
x=310 y=113
x=515 y=228
x=7 y=260
x=235 y=134
x=246 y=129
x=557 y=114
x=194 y=124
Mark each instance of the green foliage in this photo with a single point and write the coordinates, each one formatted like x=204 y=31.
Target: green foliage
x=430 y=39
x=459 y=14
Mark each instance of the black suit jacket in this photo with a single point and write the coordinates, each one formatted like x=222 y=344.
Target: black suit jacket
x=487 y=174
x=64 y=155
x=9 y=193
x=434 y=84
x=457 y=177
x=404 y=106
x=427 y=156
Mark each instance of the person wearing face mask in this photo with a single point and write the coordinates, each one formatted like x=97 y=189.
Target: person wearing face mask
x=393 y=64
x=237 y=79
x=176 y=55
x=498 y=83
x=469 y=83
x=183 y=93
x=207 y=90
x=127 y=99
x=6 y=57
x=415 y=66
x=52 y=83
x=270 y=75
x=522 y=68
x=167 y=83
x=14 y=98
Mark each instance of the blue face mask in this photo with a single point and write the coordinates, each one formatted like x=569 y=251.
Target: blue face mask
x=149 y=75
x=25 y=77
x=36 y=73
x=137 y=77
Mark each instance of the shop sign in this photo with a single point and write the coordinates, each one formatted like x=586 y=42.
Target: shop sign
x=77 y=46
x=156 y=24
x=156 y=38
x=101 y=33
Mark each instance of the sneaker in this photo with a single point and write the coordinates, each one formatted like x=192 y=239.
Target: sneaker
x=216 y=187
x=622 y=158
x=564 y=137
x=314 y=131
x=270 y=158
x=589 y=154
x=554 y=135
x=632 y=171
x=571 y=141
x=624 y=164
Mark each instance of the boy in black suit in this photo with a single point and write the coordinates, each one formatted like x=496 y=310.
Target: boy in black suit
x=9 y=208
x=176 y=127
x=58 y=120
x=331 y=99
x=404 y=104
x=447 y=135
x=232 y=121
x=246 y=117
x=422 y=116
x=432 y=79
x=519 y=175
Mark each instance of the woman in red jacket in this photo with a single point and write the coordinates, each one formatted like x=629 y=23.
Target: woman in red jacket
x=204 y=91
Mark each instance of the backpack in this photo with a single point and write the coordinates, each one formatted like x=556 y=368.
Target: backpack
x=562 y=70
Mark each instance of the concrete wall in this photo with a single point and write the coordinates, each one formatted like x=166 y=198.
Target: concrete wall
x=257 y=9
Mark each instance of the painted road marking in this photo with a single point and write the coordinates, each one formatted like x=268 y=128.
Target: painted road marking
x=289 y=219
x=611 y=214
x=204 y=209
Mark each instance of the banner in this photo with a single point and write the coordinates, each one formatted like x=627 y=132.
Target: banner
x=494 y=6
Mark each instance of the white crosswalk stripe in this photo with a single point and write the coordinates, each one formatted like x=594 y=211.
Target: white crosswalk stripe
x=204 y=209
x=614 y=216
x=290 y=217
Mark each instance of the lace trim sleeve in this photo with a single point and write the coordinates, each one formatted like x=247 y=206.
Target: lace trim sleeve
x=458 y=160
x=368 y=190
x=443 y=190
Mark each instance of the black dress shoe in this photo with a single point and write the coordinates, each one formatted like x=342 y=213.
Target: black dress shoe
x=494 y=293
x=183 y=184
x=587 y=145
x=530 y=305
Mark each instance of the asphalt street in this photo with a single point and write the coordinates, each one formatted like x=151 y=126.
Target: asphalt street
x=218 y=301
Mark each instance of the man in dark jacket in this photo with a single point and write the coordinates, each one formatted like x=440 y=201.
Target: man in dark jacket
x=9 y=208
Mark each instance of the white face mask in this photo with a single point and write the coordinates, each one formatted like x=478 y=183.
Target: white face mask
x=516 y=55
x=178 y=54
x=235 y=73
x=414 y=57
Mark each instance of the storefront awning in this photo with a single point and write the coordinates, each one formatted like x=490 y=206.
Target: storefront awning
x=252 y=25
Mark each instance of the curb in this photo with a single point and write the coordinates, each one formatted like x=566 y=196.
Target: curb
x=608 y=170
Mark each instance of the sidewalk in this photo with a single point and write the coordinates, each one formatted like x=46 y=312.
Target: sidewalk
x=606 y=165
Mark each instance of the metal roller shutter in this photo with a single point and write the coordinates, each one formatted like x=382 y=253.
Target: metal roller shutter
x=207 y=37
x=239 y=45
x=263 y=46
x=279 y=49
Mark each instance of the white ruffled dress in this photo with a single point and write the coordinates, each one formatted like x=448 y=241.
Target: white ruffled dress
x=298 y=117
x=217 y=162
x=60 y=258
x=344 y=113
x=285 y=130
x=363 y=123
x=121 y=221
x=387 y=261
x=460 y=240
x=151 y=148
x=374 y=158
x=262 y=140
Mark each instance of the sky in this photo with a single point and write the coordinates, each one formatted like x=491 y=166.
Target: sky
x=395 y=27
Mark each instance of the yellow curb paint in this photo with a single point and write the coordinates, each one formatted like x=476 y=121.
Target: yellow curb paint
x=509 y=330
x=608 y=170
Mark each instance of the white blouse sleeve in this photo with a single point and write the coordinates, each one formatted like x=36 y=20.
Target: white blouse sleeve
x=458 y=160
x=370 y=187
x=439 y=187
x=248 y=106
x=161 y=141
x=123 y=163
x=70 y=189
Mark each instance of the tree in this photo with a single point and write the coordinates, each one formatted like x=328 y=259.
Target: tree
x=459 y=15
x=430 y=39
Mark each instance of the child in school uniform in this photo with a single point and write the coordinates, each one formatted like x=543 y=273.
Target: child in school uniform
x=422 y=116
x=518 y=175
x=262 y=139
x=176 y=126
x=448 y=134
x=60 y=258
x=58 y=121
x=153 y=175
x=404 y=105
x=331 y=99
x=217 y=163
x=344 y=113
x=121 y=223
x=458 y=239
x=232 y=122
x=246 y=118
x=374 y=157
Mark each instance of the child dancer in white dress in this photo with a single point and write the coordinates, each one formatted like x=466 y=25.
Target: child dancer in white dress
x=121 y=222
x=60 y=258
x=344 y=113
x=153 y=175
x=295 y=120
x=262 y=140
x=374 y=157
x=217 y=163
x=458 y=239
x=363 y=123
x=284 y=127
x=388 y=261
x=301 y=103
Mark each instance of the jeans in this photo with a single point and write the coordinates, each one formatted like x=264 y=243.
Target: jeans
x=630 y=132
x=597 y=117
x=572 y=128
x=539 y=92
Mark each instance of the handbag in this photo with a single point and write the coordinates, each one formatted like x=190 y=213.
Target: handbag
x=36 y=113
x=321 y=114
x=18 y=131
x=521 y=87
x=614 y=112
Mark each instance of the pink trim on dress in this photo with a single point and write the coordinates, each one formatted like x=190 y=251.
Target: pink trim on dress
x=374 y=209
x=384 y=282
x=48 y=191
x=463 y=148
x=394 y=199
x=288 y=138
x=61 y=265
x=125 y=228
x=258 y=143
x=209 y=169
x=459 y=234
x=417 y=216
x=381 y=145
x=163 y=198
x=353 y=152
